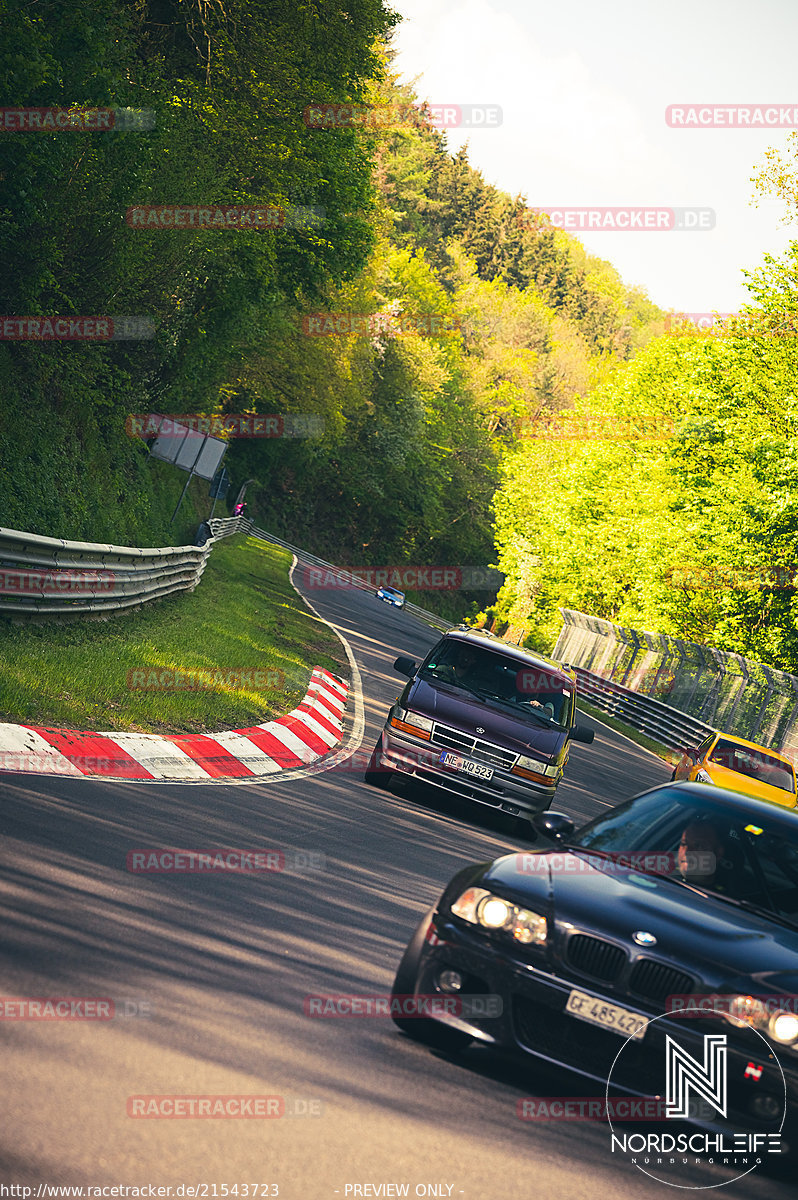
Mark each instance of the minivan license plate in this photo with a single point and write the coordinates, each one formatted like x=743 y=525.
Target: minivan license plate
x=465 y=765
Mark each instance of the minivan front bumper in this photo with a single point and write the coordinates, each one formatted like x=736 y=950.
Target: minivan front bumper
x=414 y=758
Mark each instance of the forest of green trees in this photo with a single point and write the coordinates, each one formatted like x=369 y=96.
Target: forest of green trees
x=671 y=490
x=415 y=426
x=555 y=426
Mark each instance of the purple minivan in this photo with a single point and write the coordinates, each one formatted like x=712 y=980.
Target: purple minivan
x=482 y=719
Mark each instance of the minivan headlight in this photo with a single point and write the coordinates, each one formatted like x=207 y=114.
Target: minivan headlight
x=411 y=722
x=534 y=766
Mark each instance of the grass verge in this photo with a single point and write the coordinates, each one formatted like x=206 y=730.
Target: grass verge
x=109 y=675
x=634 y=735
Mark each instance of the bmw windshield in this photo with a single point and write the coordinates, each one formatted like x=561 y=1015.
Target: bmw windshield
x=743 y=856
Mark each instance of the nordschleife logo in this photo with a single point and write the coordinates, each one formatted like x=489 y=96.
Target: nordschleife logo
x=720 y=1100
x=684 y=1074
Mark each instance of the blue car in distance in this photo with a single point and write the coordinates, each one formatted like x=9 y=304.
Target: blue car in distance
x=391 y=596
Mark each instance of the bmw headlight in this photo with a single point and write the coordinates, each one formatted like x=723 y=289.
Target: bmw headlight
x=783 y=1028
x=480 y=907
x=779 y=1025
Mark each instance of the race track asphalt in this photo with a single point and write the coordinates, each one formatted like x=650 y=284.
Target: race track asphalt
x=208 y=973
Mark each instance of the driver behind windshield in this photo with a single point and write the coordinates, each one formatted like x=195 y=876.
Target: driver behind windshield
x=700 y=851
x=486 y=673
x=465 y=667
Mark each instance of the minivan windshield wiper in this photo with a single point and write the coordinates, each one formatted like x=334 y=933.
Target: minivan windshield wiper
x=457 y=683
x=518 y=707
x=524 y=708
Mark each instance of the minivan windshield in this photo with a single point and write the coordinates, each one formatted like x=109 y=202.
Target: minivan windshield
x=536 y=693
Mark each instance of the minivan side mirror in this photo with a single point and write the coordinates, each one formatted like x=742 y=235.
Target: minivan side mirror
x=581 y=733
x=405 y=666
x=553 y=825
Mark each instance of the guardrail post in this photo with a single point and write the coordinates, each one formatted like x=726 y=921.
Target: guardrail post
x=666 y=657
x=769 y=692
x=635 y=653
x=744 y=680
x=717 y=683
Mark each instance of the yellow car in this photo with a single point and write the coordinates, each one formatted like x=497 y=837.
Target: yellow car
x=732 y=762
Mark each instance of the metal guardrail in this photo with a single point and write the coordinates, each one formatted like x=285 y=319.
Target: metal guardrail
x=708 y=689
x=659 y=721
x=53 y=578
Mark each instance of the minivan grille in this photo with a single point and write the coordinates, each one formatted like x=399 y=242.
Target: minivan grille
x=463 y=743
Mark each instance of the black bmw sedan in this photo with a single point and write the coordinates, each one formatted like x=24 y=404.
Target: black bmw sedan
x=669 y=918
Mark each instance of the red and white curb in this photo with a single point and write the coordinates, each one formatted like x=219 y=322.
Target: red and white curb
x=295 y=740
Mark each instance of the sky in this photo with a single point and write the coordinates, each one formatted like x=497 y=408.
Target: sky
x=583 y=90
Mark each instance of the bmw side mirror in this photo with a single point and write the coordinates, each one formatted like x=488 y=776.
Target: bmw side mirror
x=581 y=733
x=405 y=666
x=553 y=825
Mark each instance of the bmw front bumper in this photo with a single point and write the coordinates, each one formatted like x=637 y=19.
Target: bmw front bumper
x=533 y=1020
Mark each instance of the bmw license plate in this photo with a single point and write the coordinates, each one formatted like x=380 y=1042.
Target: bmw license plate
x=465 y=765
x=608 y=1016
